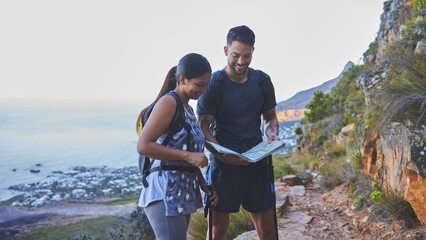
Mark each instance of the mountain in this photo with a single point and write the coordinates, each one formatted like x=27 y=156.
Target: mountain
x=300 y=99
x=293 y=108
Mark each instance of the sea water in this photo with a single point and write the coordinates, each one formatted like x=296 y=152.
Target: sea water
x=56 y=135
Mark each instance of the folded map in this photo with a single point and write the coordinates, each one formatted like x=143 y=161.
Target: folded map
x=255 y=154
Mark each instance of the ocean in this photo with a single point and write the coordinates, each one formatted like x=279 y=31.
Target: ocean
x=53 y=135
x=57 y=135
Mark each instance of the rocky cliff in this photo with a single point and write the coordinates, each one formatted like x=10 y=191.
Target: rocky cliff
x=394 y=152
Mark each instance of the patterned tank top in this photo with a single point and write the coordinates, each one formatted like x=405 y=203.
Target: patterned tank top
x=179 y=190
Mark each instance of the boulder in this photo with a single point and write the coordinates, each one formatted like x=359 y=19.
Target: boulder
x=291 y=180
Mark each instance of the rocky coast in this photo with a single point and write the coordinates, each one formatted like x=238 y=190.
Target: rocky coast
x=79 y=182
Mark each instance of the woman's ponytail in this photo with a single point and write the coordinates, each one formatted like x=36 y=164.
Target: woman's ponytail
x=169 y=84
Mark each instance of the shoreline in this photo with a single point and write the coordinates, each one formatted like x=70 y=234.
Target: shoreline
x=79 y=183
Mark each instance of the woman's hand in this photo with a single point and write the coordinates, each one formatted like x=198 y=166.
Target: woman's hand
x=199 y=159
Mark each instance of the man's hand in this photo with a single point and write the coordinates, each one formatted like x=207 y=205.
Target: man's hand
x=272 y=137
x=231 y=159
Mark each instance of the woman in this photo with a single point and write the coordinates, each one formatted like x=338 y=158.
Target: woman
x=172 y=195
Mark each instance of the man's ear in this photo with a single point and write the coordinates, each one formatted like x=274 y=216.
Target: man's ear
x=225 y=50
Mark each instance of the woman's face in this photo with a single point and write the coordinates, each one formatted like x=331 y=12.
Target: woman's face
x=197 y=86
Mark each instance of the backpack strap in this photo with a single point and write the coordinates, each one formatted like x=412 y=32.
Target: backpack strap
x=178 y=122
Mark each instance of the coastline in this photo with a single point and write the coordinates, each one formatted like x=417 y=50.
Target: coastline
x=79 y=183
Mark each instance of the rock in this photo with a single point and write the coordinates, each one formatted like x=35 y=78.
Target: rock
x=298 y=190
x=292 y=180
x=282 y=233
x=299 y=217
x=396 y=155
x=251 y=235
x=282 y=203
x=347 y=129
x=420 y=47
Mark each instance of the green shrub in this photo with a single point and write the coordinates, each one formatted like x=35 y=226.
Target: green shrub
x=320 y=107
x=298 y=130
x=337 y=151
x=238 y=223
x=332 y=173
x=359 y=202
x=403 y=95
x=337 y=129
x=281 y=167
x=419 y=4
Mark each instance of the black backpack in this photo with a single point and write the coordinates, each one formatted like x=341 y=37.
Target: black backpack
x=178 y=122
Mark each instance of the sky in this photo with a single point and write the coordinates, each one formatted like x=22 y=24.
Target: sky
x=103 y=49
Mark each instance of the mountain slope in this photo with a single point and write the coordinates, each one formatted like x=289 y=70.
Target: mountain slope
x=300 y=99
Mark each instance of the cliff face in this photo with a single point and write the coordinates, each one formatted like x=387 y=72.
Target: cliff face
x=396 y=157
x=396 y=154
x=396 y=12
x=291 y=115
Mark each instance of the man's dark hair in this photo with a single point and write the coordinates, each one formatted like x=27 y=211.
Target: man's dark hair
x=241 y=34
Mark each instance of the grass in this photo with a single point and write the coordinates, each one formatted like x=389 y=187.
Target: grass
x=98 y=228
x=9 y=201
x=282 y=167
x=123 y=201
x=238 y=223
x=393 y=202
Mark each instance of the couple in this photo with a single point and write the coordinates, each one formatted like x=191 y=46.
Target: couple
x=233 y=102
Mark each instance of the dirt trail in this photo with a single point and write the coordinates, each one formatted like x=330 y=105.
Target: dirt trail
x=318 y=214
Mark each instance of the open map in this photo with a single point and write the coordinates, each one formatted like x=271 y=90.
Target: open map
x=255 y=154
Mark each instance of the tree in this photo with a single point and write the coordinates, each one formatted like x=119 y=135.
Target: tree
x=320 y=106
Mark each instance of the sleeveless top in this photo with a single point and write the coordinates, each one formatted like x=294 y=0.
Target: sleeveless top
x=179 y=190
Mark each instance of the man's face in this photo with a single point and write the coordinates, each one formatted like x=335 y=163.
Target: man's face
x=239 y=56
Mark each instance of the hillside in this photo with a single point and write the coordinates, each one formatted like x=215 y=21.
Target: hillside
x=300 y=99
x=294 y=108
x=369 y=132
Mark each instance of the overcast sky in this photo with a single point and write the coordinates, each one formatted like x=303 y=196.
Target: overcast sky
x=103 y=49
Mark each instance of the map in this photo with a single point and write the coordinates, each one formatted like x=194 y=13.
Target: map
x=255 y=154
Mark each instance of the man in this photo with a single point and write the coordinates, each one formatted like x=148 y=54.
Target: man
x=236 y=98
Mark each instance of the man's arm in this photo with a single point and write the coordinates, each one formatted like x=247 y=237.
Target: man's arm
x=205 y=121
x=271 y=124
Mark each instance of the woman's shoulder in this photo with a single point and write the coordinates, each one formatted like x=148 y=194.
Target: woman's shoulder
x=165 y=105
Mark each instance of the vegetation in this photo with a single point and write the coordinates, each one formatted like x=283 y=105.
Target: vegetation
x=137 y=227
x=298 y=131
x=238 y=223
x=98 y=228
x=397 y=92
x=281 y=167
x=418 y=4
x=320 y=107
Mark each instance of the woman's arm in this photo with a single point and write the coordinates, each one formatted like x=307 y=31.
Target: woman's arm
x=157 y=124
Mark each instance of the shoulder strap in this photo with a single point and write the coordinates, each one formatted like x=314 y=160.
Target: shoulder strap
x=178 y=122
x=265 y=80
